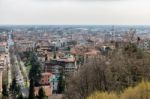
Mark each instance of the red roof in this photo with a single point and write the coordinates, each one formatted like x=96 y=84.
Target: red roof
x=3 y=43
x=46 y=74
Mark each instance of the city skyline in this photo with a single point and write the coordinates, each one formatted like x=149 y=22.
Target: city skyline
x=73 y=12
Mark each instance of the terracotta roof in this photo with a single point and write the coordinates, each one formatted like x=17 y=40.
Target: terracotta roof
x=76 y=51
x=93 y=52
x=67 y=60
x=3 y=43
x=46 y=73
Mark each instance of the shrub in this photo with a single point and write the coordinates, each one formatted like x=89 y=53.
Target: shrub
x=103 y=95
x=141 y=91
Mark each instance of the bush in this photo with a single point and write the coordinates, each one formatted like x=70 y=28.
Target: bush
x=141 y=91
x=115 y=72
x=103 y=95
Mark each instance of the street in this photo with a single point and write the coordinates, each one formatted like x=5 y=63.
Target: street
x=18 y=73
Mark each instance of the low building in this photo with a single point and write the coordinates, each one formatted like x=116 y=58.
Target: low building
x=47 y=89
x=53 y=68
x=66 y=63
x=45 y=78
x=3 y=47
x=145 y=45
x=25 y=45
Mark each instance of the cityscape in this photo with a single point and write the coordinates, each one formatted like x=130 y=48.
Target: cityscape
x=74 y=49
x=48 y=58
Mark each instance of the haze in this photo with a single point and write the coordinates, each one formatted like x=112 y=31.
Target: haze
x=75 y=12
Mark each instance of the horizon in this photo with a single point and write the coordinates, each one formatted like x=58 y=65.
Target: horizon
x=74 y=24
x=74 y=12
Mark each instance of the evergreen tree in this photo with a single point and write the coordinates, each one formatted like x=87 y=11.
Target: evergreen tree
x=61 y=84
x=54 y=55
x=14 y=85
x=17 y=90
x=5 y=92
x=41 y=93
x=35 y=71
x=31 y=90
x=20 y=96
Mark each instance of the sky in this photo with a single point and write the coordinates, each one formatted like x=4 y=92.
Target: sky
x=75 y=12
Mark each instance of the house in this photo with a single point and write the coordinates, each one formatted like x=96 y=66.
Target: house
x=53 y=68
x=91 y=54
x=25 y=45
x=42 y=45
x=54 y=80
x=41 y=57
x=67 y=63
x=145 y=45
x=45 y=78
x=3 y=37
x=3 y=47
x=46 y=88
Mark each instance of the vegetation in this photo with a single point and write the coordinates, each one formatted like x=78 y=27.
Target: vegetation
x=141 y=91
x=61 y=84
x=119 y=69
x=31 y=90
x=5 y=91
x=33 y=65
x=80 y=60
x=41 y=94
x=20 y=96
x=5 y=83
x=34 y=73
x=34 y=70
x=103 y=95
x=15 y=88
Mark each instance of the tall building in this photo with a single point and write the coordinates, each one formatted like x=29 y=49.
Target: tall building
x=113 y=34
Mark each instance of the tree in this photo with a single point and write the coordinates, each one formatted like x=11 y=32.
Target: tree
x=14 y=85
x=35 y=71
x=20 y=96
x=31 y=90
x=54 y=55
x=14 y=88
x=5 y=92
x=41 y=94
x=115 y=72
x=61 y=84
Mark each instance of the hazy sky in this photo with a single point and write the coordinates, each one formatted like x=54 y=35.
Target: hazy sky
x=75 y=12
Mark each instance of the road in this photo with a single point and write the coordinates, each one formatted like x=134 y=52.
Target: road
x=19 y=76
x=9 y=70
x=9 y=41
x=25 y=72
